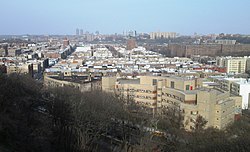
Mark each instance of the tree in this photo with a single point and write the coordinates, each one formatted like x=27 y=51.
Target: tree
x=200 y=123
x=33 y=118
x=22 y=126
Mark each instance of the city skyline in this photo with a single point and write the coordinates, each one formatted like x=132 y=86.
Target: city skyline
x=112 y=16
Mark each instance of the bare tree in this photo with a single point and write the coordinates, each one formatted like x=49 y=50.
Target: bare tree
x=200 y=123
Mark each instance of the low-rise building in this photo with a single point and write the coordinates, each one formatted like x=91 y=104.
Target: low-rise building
x=25 y=68
x=83 y=86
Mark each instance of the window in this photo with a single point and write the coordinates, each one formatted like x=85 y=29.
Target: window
x=187 y=87
x=172 y=84
x=154 y=81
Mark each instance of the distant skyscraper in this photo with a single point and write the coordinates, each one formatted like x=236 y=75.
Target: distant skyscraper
x=81 y=32
x=131 y=33
x=77 y=32
x=5 y=47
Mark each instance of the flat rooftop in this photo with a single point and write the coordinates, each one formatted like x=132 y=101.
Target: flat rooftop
x=129 y=81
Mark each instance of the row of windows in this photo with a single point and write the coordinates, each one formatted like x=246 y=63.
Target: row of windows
x=145 y=97
x=146 y=91
x=219 y=111
x=131 y=95
x=173 y=96
x=136 y=90
x=171 y=102
x=170 y=108
x=145 y=103
x=56 y=84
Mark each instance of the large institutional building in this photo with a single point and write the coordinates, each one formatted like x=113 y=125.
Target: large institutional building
x=234 y=64
x=187 y=50
x=186 y=95
x=226 y=42
x=162 y=35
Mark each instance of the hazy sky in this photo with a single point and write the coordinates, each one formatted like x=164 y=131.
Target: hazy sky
x=115 y=16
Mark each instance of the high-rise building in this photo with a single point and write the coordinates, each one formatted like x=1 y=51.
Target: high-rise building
x=5 y=49
x=226 y=42
x=81 y=32
x=233 y=64
x=77 y=32
x=162 y=35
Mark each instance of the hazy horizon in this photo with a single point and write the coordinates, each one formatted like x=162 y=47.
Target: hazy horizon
x=62 y=17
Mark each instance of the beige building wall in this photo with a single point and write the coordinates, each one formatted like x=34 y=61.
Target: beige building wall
x=186 y=95
x=24 y=68
x=108 y=83
x=150 y=80
x=248 y=65
x=224 y=113
x=234 y=64
x=144 y=95
x=238 y=104
x=180 y=83
x=223 y=84
x=235 y=87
